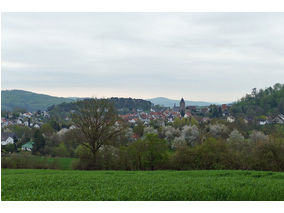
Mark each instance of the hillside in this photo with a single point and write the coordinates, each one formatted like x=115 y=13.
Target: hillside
x=269 y=102
x=29 y=101
x=170 y=102
x=123 y=106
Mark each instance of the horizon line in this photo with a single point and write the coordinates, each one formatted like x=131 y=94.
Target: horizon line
x=173 y=99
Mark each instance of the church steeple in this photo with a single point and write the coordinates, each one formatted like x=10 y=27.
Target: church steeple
x=182 y=107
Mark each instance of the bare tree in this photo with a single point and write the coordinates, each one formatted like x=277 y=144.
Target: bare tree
x=98 y=122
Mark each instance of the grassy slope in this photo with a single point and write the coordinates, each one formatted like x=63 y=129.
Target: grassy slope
x=28 y=100
x=141 y=185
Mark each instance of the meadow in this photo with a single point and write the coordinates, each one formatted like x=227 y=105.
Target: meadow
x=209 y=185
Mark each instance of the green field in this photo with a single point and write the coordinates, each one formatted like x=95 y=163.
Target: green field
x=32 y=184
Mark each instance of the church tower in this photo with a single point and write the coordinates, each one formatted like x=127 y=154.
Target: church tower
x=182 y=107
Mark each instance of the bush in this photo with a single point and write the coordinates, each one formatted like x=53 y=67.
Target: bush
x=106 y=158
x=211 y=154
x=24 y=161
x=268 y=155
x=148 y=153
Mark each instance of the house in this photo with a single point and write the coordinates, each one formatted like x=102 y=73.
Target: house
x=4 y=122
x=175 y=108
x=72 y=127
x=224 y=107
x=205 y=120
x=62 y=131
x=205 y=110
x=263 y=122
x=36 y=126
x=19 y=121
x=28 y=146
x=279 y=119
x=45 y=114
x=139 y=110
x=230 y=119
x=27 y=115
x=7 y=138
x=187 y=115
x=132 y=121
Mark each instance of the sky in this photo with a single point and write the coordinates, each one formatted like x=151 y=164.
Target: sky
x=215 y=57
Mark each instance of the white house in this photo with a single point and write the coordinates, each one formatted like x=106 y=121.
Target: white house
x=27 y=115
x=72 y=127
x=45 y=114
x=62 y=131
x=7 y=138
x=36 y=126
x=19 y=121
x=279 y=119
x=262 y=122
x=230 y=119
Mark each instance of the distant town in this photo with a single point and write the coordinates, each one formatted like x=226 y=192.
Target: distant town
x=162 y=115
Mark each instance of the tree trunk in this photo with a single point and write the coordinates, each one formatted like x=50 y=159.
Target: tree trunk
x=94 y=161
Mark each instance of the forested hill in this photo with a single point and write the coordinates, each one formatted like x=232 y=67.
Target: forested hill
x=130 y=104
x=123 y=105
x=29 y=101
x=127 y=104
x=269 y=101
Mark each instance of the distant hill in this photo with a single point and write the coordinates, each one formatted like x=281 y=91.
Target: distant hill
x=11 y=99
x=170 y=102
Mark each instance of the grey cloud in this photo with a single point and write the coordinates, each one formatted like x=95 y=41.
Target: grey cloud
x=193 y=55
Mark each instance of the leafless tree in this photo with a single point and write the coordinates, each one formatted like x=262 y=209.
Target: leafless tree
x=98 y=123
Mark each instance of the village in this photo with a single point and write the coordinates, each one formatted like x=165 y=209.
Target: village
x=163 y=116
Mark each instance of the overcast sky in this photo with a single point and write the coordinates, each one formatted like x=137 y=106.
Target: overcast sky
x=217 y=57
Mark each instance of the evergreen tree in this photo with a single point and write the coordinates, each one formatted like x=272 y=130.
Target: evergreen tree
x=39 y=142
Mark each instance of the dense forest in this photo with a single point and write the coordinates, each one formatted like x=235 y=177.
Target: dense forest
x=263 y=102
x=122 y=105
x=130 y=104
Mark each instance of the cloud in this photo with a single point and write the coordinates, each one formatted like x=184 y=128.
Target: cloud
x=199 y=56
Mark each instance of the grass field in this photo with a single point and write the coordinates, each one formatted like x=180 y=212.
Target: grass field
x=63 y=163
x=25 y=184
